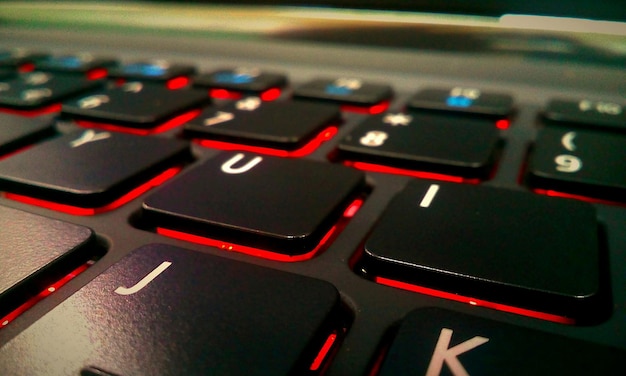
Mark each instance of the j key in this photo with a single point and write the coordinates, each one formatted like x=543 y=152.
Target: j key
x=434 y=341
x=257 y=201
x=224 y=317
x=497 y=245
x=246 y=80
x=351 y=91
x=464 y=100
x=16 y=57
x=134 y=104
x=19 y=131
x=71 y=169
x=157 y=70
x=590 y=112
x=36 y=252
x=430 y=142
x=284 y=125
x=580 y=161
x=36 y=89
x=77 y=63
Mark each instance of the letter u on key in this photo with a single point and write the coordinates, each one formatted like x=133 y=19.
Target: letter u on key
x=228 y=168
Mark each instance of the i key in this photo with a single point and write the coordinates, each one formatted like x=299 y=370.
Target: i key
x=88 y=169
x=508 y=247
x=37 y=252
x=433 y=342
x=164 y=310
x=281 y=205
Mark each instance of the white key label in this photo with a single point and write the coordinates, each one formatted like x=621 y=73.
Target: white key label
x=443 y=353
x=144 y=281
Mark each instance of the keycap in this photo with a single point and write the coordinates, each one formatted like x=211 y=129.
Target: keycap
x=257 y=201
x=77 y=63
x=610 y=114
x=155 y=70
x=352 y=91
x=284 y=125
x=134 y=104
x=13 y=58
x=434 y=341
x=36 y=252
x=498 y=245
x=37 y=89
x=463 y=100
x=19 y=131
x=163 y=310
x=457 y=146
x=71 y=169
x=579 y=161
x=251 y=81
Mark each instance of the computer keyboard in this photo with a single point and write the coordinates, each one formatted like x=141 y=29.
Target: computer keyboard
x=192 y=207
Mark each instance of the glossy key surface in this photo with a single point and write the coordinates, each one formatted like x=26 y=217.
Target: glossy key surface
x=437 y=143
x=494 y=244
x=463 y=100
x=71 y=169
x=18 y=131
x=257 y=201
x=164 y=310
x=580 y=161
x=593 y=113
x=284 y=125
x=433 y=341
x=134 y=104
x=36 y=252
x=344 y=90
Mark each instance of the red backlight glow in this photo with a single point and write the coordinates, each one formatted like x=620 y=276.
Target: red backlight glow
x=4 y=321
x=400 y=171
x=323 y=352
x=551 y=193
x=97 y=74
x=74 y=210
x=311 y=146
x=475 y=302
x=170 y=124
x=32 y=113
x=224 y=94
x=503 y=124
x=371 y=110
x=177 y=82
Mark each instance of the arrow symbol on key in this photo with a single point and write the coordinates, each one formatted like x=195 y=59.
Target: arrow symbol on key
x=220 y=117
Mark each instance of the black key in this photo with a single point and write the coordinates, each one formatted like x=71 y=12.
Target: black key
x=257 y=201
x=156 y=70
x=164 y=310
x=246 y=80
x=72 y=169
x=77 y=63
x=283 y=125
x=19 y=131
x=352 y=91
x=36 y=252
x=590 y=112
x=502 y=246
x=580 y=161
x=16 y=57
x=36 y=89
x=464 y=100
x=134 y=104
x=434 y=341
x=429 y=142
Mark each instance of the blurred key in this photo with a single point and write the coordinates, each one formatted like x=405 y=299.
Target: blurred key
x=89 y=169
x=588 y=112
x=154 y=70
x=463 y=100
x=344 y=90
x=19 y=131
x=164 y=310
x=36 y=252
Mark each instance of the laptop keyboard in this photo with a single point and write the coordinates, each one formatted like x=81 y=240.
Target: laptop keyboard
x=163 y=218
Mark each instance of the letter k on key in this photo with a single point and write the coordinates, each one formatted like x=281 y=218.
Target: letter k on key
x=449 y=355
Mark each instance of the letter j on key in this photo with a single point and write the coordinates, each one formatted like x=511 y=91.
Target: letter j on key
x=144 y=281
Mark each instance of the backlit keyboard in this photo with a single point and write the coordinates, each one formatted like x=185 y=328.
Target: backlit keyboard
x=176 y=211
